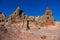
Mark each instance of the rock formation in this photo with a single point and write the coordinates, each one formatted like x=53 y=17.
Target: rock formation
x=19 y=26
x=18 y=16
x=2 y=17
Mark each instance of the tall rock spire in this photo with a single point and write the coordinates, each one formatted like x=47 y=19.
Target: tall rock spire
x=18 y=9
x=18 y=14
x=48 y=11
x=15 y=13
x=49 y=16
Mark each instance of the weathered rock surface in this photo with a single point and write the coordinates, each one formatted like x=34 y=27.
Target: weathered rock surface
x=22 y=27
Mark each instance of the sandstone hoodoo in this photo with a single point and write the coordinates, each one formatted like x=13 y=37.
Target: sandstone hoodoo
x=19 y=26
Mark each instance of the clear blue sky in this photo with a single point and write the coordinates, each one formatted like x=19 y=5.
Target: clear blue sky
x=31 y=7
